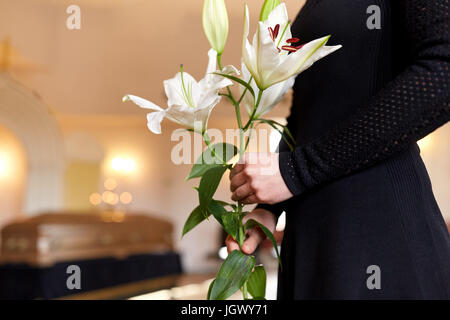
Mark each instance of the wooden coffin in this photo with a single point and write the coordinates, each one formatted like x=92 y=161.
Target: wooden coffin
x=50 y=238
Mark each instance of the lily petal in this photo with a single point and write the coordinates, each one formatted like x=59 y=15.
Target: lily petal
x=279 y=15
x=213 y=82
x=179 y=95
x=142 y=102
x=268 y=57
x=271 y=96
x=231 y=70
x=319 y=54
x=212 y=62
x=304 y=58
x=154 y=120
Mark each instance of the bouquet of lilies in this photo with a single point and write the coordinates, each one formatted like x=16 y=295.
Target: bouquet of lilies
x=269 y=67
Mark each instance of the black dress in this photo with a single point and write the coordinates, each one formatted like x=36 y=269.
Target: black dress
x=362 y=194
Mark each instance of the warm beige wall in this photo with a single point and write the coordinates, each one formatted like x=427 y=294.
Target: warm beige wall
x=81 y=180
x=435 y=151
x=157 y=185
x=12 y=176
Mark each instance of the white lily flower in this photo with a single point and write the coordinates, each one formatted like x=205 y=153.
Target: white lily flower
x=189 y=102
x=273 y=57
x=270 y=96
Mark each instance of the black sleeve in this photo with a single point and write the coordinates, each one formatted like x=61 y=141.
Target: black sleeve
x=277 y=208
x=410 y=107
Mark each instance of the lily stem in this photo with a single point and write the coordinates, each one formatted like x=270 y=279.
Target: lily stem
x=242 y=148
x=252 y=116
x=231 y=97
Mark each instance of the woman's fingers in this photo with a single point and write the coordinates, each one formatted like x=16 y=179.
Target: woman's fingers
x=254 y=238
x=252 y=242
x=238 y=167
x=242 y=192
x=238 y=180
x=231 y=244
x=252 y=199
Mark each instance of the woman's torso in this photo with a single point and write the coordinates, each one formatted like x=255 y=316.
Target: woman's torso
x=335 y=87
x=385 y=215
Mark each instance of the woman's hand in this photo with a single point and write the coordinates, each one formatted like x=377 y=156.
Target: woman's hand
x=257 y=179
x=254 y=236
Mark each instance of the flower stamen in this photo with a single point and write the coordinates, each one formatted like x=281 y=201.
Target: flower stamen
x=187 y=94
x=274 y=32
x=289 y=48
x=292 y=47
x=293 y=40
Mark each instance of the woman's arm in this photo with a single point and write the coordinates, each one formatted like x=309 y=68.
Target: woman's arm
x=410 y=107
x=414 y=104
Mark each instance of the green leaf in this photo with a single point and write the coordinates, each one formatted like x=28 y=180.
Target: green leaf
x=209 y=290
x=208 y=160
x=208 y=185
x=232 y=275
x=231 y=224
x=267 y=8
x=253 y=223
x=273 y=125
x=216 y=208
x=194 y=219
x=199 y=170
x=256 y=284
x=238 y=80
x=285 y=129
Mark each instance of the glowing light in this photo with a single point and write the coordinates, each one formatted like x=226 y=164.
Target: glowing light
x=4 y=165
x=425 y=143
x=95 y=199
x=110 y=184
x=126 y=165
x=110 y=198
x=223 y=253
x=126 y=198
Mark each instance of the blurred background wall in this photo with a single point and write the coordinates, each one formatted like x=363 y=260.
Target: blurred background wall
x=94 y=148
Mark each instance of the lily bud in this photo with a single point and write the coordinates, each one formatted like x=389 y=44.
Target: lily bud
x=267 y=8
x=215 y=24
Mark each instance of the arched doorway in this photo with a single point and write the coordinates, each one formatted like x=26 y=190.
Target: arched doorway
x=13 y=167
x=24 y=114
